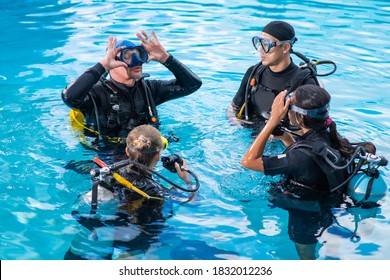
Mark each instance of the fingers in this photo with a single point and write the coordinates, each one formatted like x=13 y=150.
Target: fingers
x=181 y=171
x=140 y=37
x=146 y=35
x=182 y=174
x=145 y=38
x=154 y=36
x=281 y=95
x=287 y=104
x=112 y=41
x=177 y=167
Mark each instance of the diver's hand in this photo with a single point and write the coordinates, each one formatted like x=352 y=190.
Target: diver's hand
x=154 y=48
x=109 y=61
x=185 y=176
x=279 y=108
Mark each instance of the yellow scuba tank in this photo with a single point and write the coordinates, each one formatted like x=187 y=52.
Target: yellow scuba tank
x=77 y=122
x=76 y=119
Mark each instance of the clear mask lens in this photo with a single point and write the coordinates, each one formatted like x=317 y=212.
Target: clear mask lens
x=262 y=44
x=134 y=57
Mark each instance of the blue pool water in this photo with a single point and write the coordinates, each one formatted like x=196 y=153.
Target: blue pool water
x=47 y=44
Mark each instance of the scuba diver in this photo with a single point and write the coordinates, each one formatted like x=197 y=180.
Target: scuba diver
x=110 y=108
x=127 y=206
x=275 y=72
x=317 y=166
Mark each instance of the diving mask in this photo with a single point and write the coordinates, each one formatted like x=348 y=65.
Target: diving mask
x=134 y=57
x=266 y=44
x=132 y=54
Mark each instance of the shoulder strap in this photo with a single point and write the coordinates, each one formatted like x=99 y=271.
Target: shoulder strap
x=113 y=117
x=256 y=72
x=152 y=110
x=329 y=173
x=298 y=80
x=317 y=154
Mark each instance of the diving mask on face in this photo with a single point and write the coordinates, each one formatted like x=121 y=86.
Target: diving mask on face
x=266 y=44
x=134 y=56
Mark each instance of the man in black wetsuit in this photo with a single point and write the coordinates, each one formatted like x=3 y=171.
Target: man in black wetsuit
x=114 y=107
x=264 y=81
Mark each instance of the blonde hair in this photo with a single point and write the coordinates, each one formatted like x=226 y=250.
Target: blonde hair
x=143 y=143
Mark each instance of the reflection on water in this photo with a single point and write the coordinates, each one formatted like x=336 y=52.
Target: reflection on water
x=51 y=43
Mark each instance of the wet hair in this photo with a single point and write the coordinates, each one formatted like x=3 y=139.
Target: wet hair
x=143 y=143
x=313 y=97
x=310 y=97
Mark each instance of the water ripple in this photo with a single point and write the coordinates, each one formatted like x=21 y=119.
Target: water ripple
x=45 y=167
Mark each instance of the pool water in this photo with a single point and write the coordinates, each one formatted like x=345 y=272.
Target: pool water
x=47 y=44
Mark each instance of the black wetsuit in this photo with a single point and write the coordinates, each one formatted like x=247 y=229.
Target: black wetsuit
x=308 y=179
x=305 y=194
x=133 y=109
x=268 y=85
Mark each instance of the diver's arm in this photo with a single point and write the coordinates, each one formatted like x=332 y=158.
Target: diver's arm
x=235 y=111
x=231 y=114
x=76 y=92
x=188 y=80
x=286 y=138
x=183 y=174
x=253 y=159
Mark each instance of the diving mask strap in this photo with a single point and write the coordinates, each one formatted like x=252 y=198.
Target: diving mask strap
x=314 y=113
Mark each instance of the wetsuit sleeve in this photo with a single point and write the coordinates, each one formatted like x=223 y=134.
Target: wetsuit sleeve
x=75 y=95
x=239 y=98
x=295 y=163
x=290 y=163
x=186 y=82
x=276 y=164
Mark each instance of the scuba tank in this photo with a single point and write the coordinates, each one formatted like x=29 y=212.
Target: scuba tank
x=367 y=186
x=367 y=189
x=364 y=185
